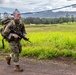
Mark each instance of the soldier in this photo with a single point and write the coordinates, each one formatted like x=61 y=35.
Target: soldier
x=18 y=26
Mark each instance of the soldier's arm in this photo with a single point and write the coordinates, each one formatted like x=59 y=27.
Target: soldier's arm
x=23 y=29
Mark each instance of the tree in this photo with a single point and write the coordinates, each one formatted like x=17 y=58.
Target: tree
x=72 y=18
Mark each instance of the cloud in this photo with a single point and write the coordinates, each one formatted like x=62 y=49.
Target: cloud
x=74 y=6
x=70 y=0
x=1 y=1
x=36 y=5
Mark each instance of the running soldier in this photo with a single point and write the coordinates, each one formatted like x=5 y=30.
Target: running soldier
x=14 y=40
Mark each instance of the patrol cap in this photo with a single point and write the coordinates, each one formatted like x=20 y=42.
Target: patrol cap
x=16 y=14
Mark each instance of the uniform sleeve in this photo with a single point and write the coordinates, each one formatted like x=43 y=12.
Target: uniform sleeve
x=23 y=30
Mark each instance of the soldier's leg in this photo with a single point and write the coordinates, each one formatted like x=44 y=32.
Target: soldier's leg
x=15 y=50
x=20 y=47
x=8 y=58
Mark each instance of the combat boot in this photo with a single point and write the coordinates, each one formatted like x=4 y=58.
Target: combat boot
x=18 y=69
x=8 y=59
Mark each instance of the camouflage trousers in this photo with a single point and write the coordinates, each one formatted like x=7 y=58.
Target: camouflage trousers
x=16 y=50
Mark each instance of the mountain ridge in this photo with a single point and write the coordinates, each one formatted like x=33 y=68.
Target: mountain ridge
x=49 y=14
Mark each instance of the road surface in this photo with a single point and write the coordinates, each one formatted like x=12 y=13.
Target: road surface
x=39 y=67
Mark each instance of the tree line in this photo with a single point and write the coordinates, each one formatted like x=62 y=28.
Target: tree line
x=66 y=19
x=37 y=20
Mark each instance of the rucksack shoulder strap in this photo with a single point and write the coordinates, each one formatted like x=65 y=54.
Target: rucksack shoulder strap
x=21 y=22
x=12 y=21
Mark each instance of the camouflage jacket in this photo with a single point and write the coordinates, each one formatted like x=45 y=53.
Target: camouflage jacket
x=18 y=27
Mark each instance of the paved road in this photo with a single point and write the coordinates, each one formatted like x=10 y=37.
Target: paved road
x=38 y=67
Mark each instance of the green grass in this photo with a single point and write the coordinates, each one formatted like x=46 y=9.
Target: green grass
x=51 y=44
x=65 y=27
x=48 y=41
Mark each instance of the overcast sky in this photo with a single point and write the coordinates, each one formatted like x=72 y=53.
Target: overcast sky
x=36 y=5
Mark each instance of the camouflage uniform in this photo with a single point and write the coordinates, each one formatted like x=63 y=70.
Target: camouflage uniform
x=14 y=43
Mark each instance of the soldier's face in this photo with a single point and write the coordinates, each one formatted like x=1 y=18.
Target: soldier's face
x=17 y=16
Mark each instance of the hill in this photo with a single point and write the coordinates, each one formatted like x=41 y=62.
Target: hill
x=49 y=14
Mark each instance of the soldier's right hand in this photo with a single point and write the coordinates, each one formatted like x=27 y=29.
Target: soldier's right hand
x=15 y=36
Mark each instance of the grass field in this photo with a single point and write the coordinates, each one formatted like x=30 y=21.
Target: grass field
x=49 y=41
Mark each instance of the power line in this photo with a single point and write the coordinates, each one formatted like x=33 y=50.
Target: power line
x=50 y=10
x=63 y=7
